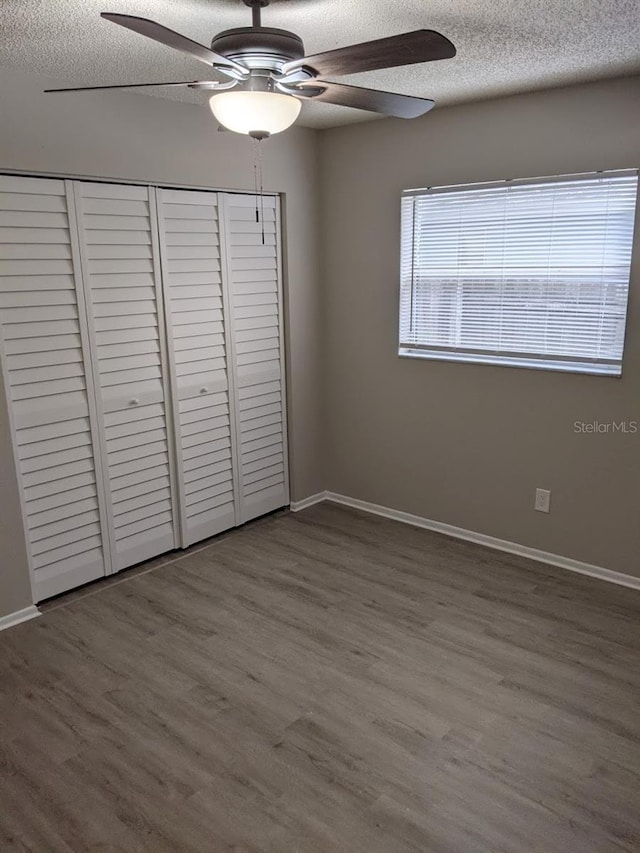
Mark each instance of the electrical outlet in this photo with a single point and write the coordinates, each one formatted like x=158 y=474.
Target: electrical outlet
x=543 y=500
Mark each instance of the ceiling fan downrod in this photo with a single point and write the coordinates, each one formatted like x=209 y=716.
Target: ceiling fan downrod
x=256 y=7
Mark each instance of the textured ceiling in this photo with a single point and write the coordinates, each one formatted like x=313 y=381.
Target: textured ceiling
x=503 y=47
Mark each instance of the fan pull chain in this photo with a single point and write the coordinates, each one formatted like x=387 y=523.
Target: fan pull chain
x=257 y=178
x=261 y=188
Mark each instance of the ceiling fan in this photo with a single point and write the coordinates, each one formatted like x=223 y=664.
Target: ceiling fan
x=271 y=75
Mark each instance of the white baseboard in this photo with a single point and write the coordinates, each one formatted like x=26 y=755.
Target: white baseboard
x=296 y=506
x=479 y=538
x=19 y=616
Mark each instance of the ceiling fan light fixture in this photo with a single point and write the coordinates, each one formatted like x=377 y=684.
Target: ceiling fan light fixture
x=255 y=113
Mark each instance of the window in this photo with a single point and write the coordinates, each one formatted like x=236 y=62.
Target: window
x=523 y=273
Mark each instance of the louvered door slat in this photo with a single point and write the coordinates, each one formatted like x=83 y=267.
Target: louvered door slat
x=255 y=306
x=195 y=317
x=122 y=273
x=49 y=391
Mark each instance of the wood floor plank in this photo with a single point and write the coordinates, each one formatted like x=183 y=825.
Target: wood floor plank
x=325 y=682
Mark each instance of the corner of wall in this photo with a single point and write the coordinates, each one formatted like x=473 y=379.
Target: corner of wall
x=324 y=344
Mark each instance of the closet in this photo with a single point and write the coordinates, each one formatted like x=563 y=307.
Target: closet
x=142 y=357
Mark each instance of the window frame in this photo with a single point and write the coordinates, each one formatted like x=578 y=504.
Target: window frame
x=505 y=358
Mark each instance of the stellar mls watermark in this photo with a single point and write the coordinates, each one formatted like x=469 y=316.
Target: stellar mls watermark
x=605 y=427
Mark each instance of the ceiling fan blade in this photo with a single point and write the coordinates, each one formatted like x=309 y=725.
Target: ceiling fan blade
x=193 y=84
x=168 y=37
x=404 y=49
x=387 y=103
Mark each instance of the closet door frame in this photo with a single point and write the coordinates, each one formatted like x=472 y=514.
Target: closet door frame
x=109 y=532
x=283 y=350
x=225 y=257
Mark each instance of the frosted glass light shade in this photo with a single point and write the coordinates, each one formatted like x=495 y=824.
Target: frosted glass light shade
x=255 y=112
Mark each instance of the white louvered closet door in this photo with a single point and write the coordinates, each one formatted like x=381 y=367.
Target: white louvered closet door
x=44 y=348
x=198 y=345
x=253 y=281
x=121 y=271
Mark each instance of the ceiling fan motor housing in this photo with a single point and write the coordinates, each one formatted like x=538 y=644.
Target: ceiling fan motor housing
x=259 y=47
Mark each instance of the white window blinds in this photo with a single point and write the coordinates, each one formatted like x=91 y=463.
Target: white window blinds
x=529 y=273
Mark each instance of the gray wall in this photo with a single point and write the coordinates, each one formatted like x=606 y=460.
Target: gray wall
x=466 y=444
x=144 y=138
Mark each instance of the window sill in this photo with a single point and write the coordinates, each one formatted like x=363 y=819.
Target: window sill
x=588 y=368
